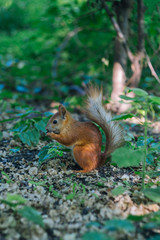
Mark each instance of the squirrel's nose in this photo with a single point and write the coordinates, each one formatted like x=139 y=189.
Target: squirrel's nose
x=48 y=129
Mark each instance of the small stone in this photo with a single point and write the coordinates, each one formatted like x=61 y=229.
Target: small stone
x=13 y=143
x=125 y=177
x=52 y=171
x=48 y=222
x=33 y=171
x=53 y=213
x=9 y=222
x=40 y=190
x=57 y=233
x=71 y=236
x=6 y=135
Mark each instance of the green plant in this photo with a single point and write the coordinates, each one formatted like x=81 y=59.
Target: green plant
x=54 y=192
x=50 y=151
x=27 y=128
x=16 y=202
x=6 y=177
x=136 y=156
x=78 y=190
x=118 y=191
x=129 y=225
x=94 y=235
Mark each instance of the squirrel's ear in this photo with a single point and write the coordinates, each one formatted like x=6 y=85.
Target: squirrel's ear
x=62 y=111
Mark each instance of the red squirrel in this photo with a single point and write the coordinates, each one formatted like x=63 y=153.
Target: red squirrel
x=84 y=137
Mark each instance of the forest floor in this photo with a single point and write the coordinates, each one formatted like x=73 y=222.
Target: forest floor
x=73 y=206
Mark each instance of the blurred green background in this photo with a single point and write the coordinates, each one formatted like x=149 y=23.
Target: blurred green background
x=51 y=47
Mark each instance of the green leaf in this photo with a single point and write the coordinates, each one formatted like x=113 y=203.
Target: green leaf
x=138 y=92
x=22 y=115
x=70 y=196
x=1 y=136
x=14 y=200
x=135 y=218
x=29 y=137
x=127 y=98
x=153 y=194
x=25 y=138
x=100 y=184
x=154 y=99
x=6 y=175
x=32 y=215
x=155 y=216
x=55 y=193
x=7 y=120
x=33 y=135
x=41 y=126
x=118 y=190
x=15 y=150
x=126 y=157
x=128 y=137
x=4 y=106
x=20 y=127
x=50 y=151
x=96 y=236
x=123 y=116
x=155 y=237
x=15 y=197
x=119 y=224
x=151 y=225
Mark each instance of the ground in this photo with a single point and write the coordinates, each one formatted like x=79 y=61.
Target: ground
x=70 y=204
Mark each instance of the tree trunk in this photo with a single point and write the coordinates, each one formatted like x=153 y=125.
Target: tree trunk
x=122 y=9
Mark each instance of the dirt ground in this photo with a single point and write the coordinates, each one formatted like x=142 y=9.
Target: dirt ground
x=70 y=204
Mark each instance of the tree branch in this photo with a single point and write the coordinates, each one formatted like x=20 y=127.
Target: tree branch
x=118 y=30
x=153 y=72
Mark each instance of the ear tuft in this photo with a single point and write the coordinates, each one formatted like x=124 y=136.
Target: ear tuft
x=62 y=111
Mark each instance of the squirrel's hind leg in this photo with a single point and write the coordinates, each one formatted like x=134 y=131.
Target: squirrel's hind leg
x=87 y=157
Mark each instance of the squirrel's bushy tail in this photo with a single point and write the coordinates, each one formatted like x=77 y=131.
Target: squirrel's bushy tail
x=96 y=112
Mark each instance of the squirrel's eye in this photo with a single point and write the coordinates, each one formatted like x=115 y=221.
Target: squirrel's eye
x=55 y=121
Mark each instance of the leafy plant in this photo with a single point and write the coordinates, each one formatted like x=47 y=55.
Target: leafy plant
x=32 y=215
x=40 y=183
x=27 y=128
x=78 y=190
x=153 y=194
x=50 y=151
x=16 y=202
x=118 y=190
x=54 y=192
x=119 y=224
x=7 y=178
x=125 y=157
x=96 y=236
x=144 y=222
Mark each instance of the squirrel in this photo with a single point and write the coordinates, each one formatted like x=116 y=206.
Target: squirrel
x=85 y=138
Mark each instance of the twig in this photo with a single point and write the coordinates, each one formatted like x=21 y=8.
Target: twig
x=118 y=30
x=153 y=72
